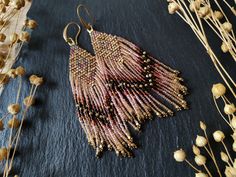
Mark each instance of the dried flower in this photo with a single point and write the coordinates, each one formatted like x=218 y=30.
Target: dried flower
x=224 y=47
x=13 y=123
x=29 y=101
x=201 y=141
x=218 y=90
x=227 y=26
x=3 y=153
x=224 y=157
x=202 y=126
x=2 y=37
x=201 y=175
x=1 y=125
x=25 y=36
x=196 y=150
x=218 y=136
x=173 y=7
x=218 y=15
x=12 y=73
x=203 y=11
x=234 y=146
x=229 y=109
x=13 y=109
x=200 y=160
x=32 y=24
x=20 y=71
x=35 y=80
x=180 y=155
x=230 y=172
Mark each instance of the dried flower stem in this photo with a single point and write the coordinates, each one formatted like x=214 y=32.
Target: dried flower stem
x=226 y=149
x=207 y=170
x=192 y=166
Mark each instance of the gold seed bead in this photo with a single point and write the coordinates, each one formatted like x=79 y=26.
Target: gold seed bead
x=227 y=26
x=25 y=37
x=29 y=101
x=20 y=71
x=2 y=37
x=3 y=153
x=173 y=7
x=218 y=90
x=218 y=15
x=32 y=24
x=203 y=11
x=1 y=125
x=224 y=47
x=13 y=123
x=13 y=109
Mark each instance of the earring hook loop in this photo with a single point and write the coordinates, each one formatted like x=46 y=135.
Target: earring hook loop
x=69 y=40
x=87 y=25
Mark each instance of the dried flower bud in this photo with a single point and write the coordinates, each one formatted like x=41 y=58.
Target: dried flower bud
x=218 y=90
x=224 y=47
x=201 y=141
x=229 y=109
x=2 y=63
x=1 y=125
x=173 y=7
x=200 y=160
x=2 y=8
x=35 y=80
x=202 y=126
x=13 y=123
x=32 y=24
x=230 y=172
x=196 y=150
x=201 y=175
x=224 y=157
x=234 y=146
x=2 y=37
x=13 y=109
x=227 y=26
x=218 y=14
x=4 y=78
x=234 y=164
x=233 y=122
x=218 y=136
x=25 y=36
x=14 y=38
x=20 y=71
x=3 y=153
x=12 y=73
x=16 y=176
x=194 y=5
x=234 y=136
x=204 y=11
x=179 y=155
x=29 y=101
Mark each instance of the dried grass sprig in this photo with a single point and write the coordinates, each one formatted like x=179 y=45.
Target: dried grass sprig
x=17 y=113
x=14 y=32
x=195 y=13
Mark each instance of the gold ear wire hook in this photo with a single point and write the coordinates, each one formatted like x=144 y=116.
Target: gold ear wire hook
x=88 y=26
x=69 y=40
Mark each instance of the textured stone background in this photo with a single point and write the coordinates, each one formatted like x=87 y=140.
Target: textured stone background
x=53 y=143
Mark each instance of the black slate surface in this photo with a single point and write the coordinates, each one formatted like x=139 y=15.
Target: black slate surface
x=53 y=143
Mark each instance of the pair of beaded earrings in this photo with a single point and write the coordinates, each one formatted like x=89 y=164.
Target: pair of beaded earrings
x=118 y=86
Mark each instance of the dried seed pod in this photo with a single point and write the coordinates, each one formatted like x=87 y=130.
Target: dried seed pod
x=227 y=26
x=201 y=141
x=1 y=125
x=218 y=15
x=13 y=123
x=173 y=7
x=29 y=101
x=2 y=37
x=218 y=90
x=35 y=80
x=12 y=73
x=20 y=71
x=224 y=157
x=229 y=109
x=4 y=78
x=200 y=160
x=180 y=155
x=204 y=11
x=32 y=24
x=224 y=47
x=13 y=109
x=25 y=36
x=3 y=153
x=218 y=136
x=14 y=38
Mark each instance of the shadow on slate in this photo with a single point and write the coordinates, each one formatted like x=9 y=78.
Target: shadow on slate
x=54 y=145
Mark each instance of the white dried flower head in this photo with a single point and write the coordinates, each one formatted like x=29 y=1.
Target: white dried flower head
x=218 y=14
x=224 y=47
x=229 y=109
x=173 y=7
x=204 y=11
x=180 y=155
x=233 y=122
x=13 y=123
x=200 y=160
x=234 y=146
x=196 y=150
x=218 y=136
x=227 y=26
x=194 y=5
x=201 y=141
x=230 y=172
x=202 y=126
x=201 y=175
x=224 y=157
x=218 y=90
